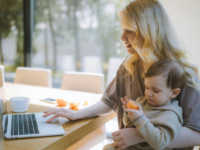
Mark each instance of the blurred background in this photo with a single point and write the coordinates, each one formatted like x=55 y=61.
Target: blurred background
x=80 y=35
x=67 y=35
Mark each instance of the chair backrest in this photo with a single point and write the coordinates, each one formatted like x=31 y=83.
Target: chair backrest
x=3 y=71
x=85 y=82
x=92 y=64
x=33 y=76
x=113 y=65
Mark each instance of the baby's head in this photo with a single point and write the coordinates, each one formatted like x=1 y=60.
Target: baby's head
x=163 y=81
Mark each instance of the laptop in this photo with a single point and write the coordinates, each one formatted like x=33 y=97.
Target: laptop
x=25 y=125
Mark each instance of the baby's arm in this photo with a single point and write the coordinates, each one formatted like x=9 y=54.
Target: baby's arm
x=124 y=102
x=162 y=132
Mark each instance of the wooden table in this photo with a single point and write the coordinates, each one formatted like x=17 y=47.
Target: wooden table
x=74 y=131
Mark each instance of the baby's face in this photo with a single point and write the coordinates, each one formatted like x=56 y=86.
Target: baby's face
x=156 y=91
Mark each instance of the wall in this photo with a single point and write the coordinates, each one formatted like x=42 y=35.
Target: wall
x=185 y=18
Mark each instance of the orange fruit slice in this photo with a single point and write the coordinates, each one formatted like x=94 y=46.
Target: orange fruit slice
x=85 y=103
x=132 y=105
x=61 y=103
x=73 y=106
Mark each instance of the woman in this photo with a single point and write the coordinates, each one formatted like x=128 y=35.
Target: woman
x=148 y=38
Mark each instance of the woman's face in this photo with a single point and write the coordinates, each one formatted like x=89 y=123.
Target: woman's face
x=128 y=37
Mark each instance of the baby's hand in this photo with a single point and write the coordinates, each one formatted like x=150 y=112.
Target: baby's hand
x=133 y=113
x=124 y=102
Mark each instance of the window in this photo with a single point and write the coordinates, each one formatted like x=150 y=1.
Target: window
x=66 y=35
x=11 y=36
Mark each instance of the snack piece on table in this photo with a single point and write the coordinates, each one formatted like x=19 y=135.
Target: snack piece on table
x=132 y=105
x=61 y=102
x=73 y=106
x=85 y=103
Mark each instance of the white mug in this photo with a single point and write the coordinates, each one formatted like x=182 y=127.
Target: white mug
x=19 y=104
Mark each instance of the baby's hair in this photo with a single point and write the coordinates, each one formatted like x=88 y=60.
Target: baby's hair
x=172 y=71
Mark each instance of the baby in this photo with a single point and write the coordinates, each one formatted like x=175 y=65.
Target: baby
x=159 y=117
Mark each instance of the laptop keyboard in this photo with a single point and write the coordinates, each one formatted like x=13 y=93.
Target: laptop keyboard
x=24 y=124
x=6 y=125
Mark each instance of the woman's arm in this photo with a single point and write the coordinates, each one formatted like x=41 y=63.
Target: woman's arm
x=190 y=102
x=97 y=109
x=186 y=138
x=131 y=136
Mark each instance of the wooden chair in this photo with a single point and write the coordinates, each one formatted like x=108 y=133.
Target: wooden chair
x=86 y=82
x=33 y=76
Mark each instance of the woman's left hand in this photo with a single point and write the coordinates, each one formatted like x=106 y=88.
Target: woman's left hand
x=126 y=137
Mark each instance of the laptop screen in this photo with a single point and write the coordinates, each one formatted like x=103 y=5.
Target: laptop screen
x=3 y=109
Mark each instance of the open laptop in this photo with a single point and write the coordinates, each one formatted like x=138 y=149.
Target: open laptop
x=25 y=125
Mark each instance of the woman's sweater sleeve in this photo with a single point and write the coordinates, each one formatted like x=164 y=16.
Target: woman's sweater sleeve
x=190 y=102
x=112 y=92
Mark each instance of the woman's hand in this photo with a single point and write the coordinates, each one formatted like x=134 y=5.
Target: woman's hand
x=63 y=112
x=126 y=137
x=100 y=108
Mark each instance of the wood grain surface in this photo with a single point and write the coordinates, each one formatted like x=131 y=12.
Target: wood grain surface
x=74 y=130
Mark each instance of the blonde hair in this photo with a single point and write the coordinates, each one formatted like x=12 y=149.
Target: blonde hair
x=148 y=19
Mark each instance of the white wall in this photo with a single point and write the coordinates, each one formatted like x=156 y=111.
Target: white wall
x=185 y=18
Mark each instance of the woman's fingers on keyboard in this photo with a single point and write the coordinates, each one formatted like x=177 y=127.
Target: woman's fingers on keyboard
x=50 y=112
x=54 y=117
